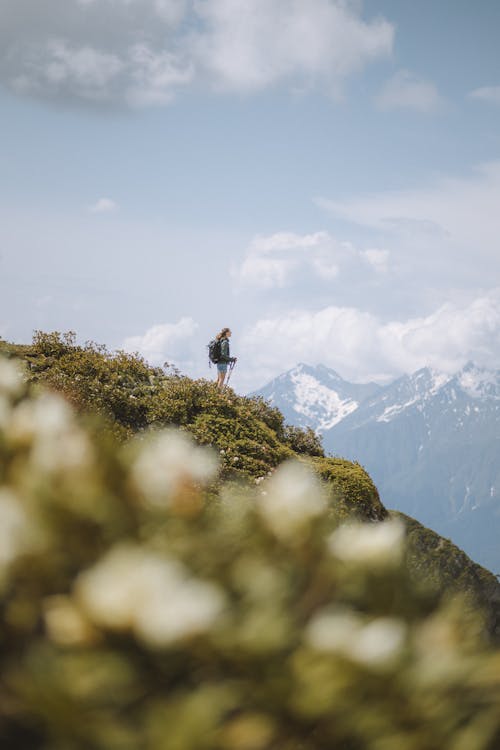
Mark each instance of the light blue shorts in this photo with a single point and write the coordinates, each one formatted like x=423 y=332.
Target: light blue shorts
x=221 y=366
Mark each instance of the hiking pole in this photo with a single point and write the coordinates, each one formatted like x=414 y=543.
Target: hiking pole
x=231 y=368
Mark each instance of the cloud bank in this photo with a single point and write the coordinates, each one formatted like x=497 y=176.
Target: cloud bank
x=285 y=259
x=362 y=346
x=445 y=234
x=142 y=52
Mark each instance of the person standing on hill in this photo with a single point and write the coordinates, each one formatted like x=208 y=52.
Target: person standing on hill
x=225 y=357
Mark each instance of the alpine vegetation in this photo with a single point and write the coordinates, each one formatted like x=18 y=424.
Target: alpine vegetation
x=154 y=596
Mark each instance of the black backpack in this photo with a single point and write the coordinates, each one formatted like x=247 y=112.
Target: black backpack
x=214 y=351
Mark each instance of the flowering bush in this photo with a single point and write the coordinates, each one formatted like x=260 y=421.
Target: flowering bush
x=133 y=396
x=144 y=605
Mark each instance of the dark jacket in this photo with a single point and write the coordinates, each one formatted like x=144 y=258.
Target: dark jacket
x=224 y=350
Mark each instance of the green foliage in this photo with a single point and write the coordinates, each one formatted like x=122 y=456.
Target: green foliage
x=303 y=441
x=133 y=396
x=142 y=606
x=435 y=562
x=270 y=415
x=352 y=492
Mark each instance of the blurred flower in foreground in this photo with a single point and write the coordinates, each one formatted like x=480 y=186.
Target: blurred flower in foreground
x=46 y=417
x=49 y=426
x=373 y=644
x=154 y=596
x=170 y=463
x=377 y=544
x=14 y=529
x=293 y=496
x=11 y=378
x=65 y=623
x=248 y=732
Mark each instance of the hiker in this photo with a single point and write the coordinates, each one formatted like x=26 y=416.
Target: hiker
x=224 y=358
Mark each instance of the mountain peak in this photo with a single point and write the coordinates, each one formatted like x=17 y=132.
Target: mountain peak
x=479 y=382
x=303 y=367
x=315 y=396
x=316 y=370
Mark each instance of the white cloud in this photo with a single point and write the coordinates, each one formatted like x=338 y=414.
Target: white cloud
x=362 y=346
x=155 y=76
x=271 y=260
x=103 y=206
x=251 y=44
x=285 y=258
x=378 y=259
x=448 y=232
x=85 y=68
x=171 y=342
x=141 y=52
x=406 y=90
x=487 y=94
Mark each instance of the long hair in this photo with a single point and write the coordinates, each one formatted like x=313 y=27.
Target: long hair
x=222 y=334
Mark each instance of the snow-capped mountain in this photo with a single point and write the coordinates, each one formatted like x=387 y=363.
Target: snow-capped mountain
x=315 y=397
x=430 y=440
x=465 y=398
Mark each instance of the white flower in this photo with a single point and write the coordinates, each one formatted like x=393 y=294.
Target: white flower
x=154 y=596
x=47 y=416
x=293 y=497
x=11 y=378
x=182 y=607
x=170 y=462
x=49 y=425
x=66 y=451
x=375 y=644
x=378 y=544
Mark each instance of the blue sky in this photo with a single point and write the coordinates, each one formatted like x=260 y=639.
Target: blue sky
x=323 y=176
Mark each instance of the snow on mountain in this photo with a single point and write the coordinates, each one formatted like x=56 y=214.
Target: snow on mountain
x=478 y=382
x=315 y=397
x=419 y=389
x=320 y=398
x=435 y=395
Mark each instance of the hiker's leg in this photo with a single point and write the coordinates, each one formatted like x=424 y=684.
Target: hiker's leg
x=221 y=374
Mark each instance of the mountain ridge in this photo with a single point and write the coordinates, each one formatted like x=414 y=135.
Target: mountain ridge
x=430 y=440
x=419 y=385
x=316 y=400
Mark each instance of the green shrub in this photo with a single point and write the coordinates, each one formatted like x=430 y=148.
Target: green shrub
x=352 y=492
x=303 y=441
x=133 y=396
x=437 y=564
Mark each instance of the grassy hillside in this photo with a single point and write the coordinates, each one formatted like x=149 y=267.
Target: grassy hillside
x=440 y=565
x=132 y=397
x=191 y=588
